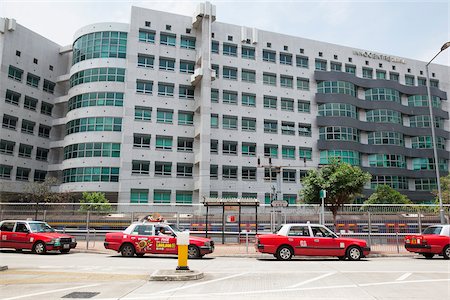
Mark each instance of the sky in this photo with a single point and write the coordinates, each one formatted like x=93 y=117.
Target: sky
x=411 y=29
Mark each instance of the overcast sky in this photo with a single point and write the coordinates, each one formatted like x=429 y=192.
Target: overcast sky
x=412 y=29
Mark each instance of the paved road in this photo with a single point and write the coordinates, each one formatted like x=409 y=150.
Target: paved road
x=110 y=277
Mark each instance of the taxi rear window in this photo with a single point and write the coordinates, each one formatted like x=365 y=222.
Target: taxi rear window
x=433 y=230
x=7 y=226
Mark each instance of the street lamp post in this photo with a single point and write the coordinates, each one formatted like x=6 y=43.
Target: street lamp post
x=433 y=135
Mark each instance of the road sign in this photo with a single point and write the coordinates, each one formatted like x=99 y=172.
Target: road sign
x=323 y=193
x=279 y=203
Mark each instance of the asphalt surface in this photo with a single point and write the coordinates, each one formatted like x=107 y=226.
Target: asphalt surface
x=109 y=276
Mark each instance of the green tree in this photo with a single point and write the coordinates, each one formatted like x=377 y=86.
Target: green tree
x=94 y=201
x=445 y=190
x=342 y=181
x=384 y=194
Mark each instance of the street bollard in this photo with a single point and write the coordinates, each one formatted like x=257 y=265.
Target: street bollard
x=183 y=244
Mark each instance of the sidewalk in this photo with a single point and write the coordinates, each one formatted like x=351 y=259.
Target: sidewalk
x=236 y=250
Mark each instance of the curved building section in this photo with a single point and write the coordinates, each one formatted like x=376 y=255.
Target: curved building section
x=93 y=124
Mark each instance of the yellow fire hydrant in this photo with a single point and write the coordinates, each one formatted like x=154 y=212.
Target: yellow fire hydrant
x=183 y=244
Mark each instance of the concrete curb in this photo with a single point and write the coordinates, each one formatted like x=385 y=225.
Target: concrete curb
x=176 y=275
x=3 y=268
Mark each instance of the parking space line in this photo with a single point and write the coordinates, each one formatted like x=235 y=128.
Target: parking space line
x=404 y=276
x=311 y=280
x=52 y=291
x=407 y=281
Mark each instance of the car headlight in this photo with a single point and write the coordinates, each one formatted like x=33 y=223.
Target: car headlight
x=73 y=240
x=56 y=242
x=207 y=244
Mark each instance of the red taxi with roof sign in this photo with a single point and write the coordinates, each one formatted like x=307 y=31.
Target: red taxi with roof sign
x=435 y=240
x=154 y=237
x=36 y=236
x=310 y=240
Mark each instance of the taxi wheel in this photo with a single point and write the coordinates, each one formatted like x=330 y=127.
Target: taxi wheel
x=428 y=255
x=39 y=248
x=446 y=252
x=354 y=253
x=193 y=251
x=127 y=250
x=284 y=253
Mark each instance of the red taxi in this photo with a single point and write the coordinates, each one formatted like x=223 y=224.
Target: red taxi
x=155 y=238
x=310 y=240
x=36 y=236
x=435 y=240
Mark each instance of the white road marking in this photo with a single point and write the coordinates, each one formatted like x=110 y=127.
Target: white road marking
x=52 y=291
x=200 y=283
x=311 y=280
x=404 y=276
x=398 y=282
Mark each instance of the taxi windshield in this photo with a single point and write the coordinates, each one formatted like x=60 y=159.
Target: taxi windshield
x=40 y=227
x=175 y=228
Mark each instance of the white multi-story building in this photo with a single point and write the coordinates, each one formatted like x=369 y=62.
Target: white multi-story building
x=171 y=109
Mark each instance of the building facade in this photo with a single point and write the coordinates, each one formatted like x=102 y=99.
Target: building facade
x=171 y=109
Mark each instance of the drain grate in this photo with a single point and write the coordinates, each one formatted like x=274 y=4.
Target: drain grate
x=81 y=295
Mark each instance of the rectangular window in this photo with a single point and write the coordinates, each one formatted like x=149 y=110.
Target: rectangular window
x=287 y=104
x=229 y=147
x=288 y=128
x=434 y=83
x=286 y=81
x=270 y=102
x=248 y=124
x=168 y=39
x=214 y=121
x=12 y=97
x=33 y=80
x=39 y=175
x=161 y=196
x=380 y=74
x=165 y=89
x=185 y=144
x=141 y=140
x=289 y=176
x=367 y=73
x=214 y=95
x=248 y=99
x=303 y=84
x=271 y=151
x=146 y=36
x=229 y=73
x=270 y=126
x=5 y=171
x=44 y=131
x=302 y=61
x=409 y=80
x=248 y=76
x=394 y=76
x=22 y=174
x=421 y=81
x=269 y=56
x=229 y=49
x=184 y=170
x=42 y=154
x=229 y=97
x=142 y=113
x=248 y=173
x=7 y=147
x=15 y=73
x=248 y=149
x=304 y=106
x=288 y=152
x=216 y=69
x=187 y=66
x=144 y=87
x=164 y=116
x=304 y=129
x=167 y=64
x=138 y=196
x=269 y=176
x=229 y=172
x=163 y=142
x=214 y=146
x=270 y=79
x=9 y=122
x=213 y=171
x=350 y=69
x=229 y=122
x=248 y=52
x=146 y=61
x=25 y=150
x=183 y=197
x=335 y=66
x=305 y=153
x=30 y=103
x=46 y=108
x=285 y=59
x=28 y=126
x=186 y=92
x=49 y=86
x=185 y=118
x=215 y=47
x=187 y=42
x=321 y=65
x=163 y=168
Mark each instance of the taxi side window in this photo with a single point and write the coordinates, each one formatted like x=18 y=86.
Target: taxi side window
x=298 y=231
x=7 y=226
x=143 y=230
x=320 y=232
x=21 y=227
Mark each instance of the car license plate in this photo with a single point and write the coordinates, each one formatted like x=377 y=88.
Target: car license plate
x=66 y=246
